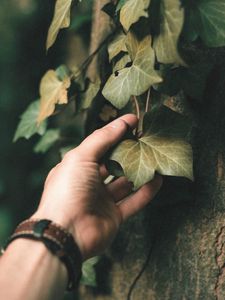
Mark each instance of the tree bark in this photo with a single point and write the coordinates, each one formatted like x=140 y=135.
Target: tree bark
x=180 y=236
x=101 y=27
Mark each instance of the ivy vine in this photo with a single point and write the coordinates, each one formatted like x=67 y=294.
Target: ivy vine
x=147 y=67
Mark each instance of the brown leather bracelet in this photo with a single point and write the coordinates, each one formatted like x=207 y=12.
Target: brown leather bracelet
x=58 y=240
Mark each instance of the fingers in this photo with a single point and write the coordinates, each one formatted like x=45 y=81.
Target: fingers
x=103 y=171
x=100 y=141
x=120 y=188
x=140 y=199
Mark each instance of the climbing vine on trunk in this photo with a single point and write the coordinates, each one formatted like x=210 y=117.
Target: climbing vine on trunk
x=149 y=62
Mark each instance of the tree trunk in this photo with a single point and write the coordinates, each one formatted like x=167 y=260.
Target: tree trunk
x=180 y=236
x=101 y=27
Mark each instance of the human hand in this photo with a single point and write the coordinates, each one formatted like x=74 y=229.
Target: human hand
x=76 y=197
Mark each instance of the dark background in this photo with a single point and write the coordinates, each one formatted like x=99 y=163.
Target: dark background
x=23 y=61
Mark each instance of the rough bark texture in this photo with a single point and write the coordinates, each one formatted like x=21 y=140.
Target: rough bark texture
x=101 y=27
x=184 y=228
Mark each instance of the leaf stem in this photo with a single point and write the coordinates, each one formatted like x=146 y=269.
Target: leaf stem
x=89 y=59
x=137 y=107
x=148 y=105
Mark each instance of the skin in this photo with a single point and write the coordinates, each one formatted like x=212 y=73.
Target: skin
x=75 y=197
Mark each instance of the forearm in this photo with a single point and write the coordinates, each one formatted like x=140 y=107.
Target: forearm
x=29 y=271
x=76 y=198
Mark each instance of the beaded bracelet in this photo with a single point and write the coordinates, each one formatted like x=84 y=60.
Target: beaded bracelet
x=58 y=240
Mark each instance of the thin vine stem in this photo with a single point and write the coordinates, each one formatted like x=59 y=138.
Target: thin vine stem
x=137 y=107
x=148 y=105
x=89 y=59
x=133 y=285
x=138 y=114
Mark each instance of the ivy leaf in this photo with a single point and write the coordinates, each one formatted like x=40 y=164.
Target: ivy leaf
x=190 y=32
x=45 y=143
x=28 y=123
x=122 y=62
x=80 y=20
x=53 y=90
x=133 y=44
x=194 y=79
x=117 y=45
x=165 y=44
x=165 y=122
x=108 y=113
x=161 y=149
x=120 y=4
x=211 y=22
x=62 y=72
x=137 y=78
x=60 y=20
x=88 y=272
x=172 y=78
x=90 y=94
x=132 y=11
x=191 y=80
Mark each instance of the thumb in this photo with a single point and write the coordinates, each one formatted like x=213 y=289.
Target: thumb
x=101 y=140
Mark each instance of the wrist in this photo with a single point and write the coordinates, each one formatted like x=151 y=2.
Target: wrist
x=56 y=218
x=63 y=221
x=57 y=240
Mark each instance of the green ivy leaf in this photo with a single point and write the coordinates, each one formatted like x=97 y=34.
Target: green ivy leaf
x=88 y=272
x=161 y=149
x=62 y=72
x=90 y=94
x=165 y=122
x=210 y=17
x=189 y=32
x=120 y=4
x=60 y=20
x=132 y=11
x=137 y=78
x=194 y=79
x=165 y=44
x=191 y=80
x=117 y=45
x=172 y=78
x=46 y=142
x=80 y=21
x=28 y=123
x=114 y=168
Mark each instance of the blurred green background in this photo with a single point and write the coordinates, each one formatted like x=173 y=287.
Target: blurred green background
x=23 y=61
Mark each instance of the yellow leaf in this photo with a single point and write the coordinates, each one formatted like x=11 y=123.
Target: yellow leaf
x=121 y=63
x=117 y=45
x=107 y=113
x=52 y=91
x=60 y=20
x=166 y=44
x=132 y=11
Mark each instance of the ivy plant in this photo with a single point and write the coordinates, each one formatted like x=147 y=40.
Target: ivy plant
x=147 y=67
